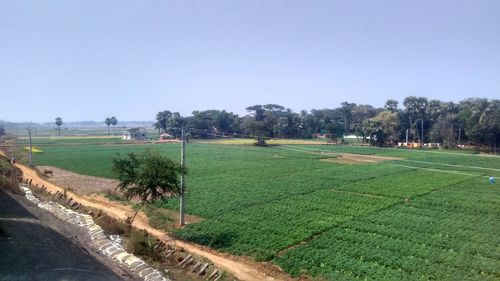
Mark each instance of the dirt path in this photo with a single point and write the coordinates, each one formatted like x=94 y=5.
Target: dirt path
x=237 y=266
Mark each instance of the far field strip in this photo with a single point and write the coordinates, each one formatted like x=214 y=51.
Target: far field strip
x=435 y=170
x=302 y=149
x=415 y=150
x=451 y=165
x=428 y=151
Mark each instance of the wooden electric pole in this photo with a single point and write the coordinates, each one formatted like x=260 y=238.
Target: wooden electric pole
x=422 y=123
x=31 y=147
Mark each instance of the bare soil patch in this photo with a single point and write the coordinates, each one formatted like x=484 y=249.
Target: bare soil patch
x=80 y=184
x=348 y=158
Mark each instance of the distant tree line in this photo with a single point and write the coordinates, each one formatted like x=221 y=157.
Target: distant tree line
x=473 y=121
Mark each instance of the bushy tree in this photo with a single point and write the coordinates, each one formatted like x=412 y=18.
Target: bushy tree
x=383 y=129
x=391 y=105
x=169 y=122
x=147 y=177
x=161 y=120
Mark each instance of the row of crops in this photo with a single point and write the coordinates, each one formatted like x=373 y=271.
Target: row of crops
x=436 y=237
x=430 y=215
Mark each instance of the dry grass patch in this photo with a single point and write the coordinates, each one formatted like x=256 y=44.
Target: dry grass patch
x=347 y=158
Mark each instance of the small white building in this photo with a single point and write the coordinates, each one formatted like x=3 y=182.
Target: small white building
x=138 y=133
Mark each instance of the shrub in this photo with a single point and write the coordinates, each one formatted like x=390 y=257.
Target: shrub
x=111 y=225
x=142 y=244
x=10 y=176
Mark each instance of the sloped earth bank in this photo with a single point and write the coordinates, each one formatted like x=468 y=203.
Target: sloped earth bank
x=35 y=245
x=241 y=267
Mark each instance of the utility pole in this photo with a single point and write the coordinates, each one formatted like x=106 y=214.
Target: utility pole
x=183 y=163
x=31 y=147
x=411 y=127
x=459 y=134
x=422 y=123
x=407 y=137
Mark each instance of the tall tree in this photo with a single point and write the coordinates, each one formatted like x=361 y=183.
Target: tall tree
x=214 y=120
x=327 y=121
x=415 y=108
x=108 y=123
x=58 y=124
x=257 y=111
x=161 y=120
x=255 y=124
x=175 y=122
x=347 y=111
x=359 y=115
x=489 y=125
x=147 y=177
x=470 y=112
x=443 y=122
x=383 y=129
x=391 y=105
x=114 y=121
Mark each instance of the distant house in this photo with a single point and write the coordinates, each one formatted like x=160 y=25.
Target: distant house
x=138 y=133
x=165 y=136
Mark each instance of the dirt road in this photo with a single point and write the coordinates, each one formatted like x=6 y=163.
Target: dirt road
x=241 y=269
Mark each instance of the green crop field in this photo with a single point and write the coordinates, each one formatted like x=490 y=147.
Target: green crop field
x=431 y=215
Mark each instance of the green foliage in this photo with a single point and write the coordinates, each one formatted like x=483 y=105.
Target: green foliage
x=149 y=176
x=10 y=176
x=439 y=236
x=111 y=225
x=169 y=122
x=428 y=215
x=142 y=244
x=113 y=121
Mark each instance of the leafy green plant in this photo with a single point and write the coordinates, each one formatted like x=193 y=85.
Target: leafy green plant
x=148 y=177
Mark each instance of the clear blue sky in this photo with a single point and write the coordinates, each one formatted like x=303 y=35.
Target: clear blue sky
x=86 y=60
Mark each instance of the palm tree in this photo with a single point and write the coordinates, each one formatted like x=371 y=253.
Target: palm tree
x=58 y=124
x=148 y=177
x=108 y=122
x=114 y=121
